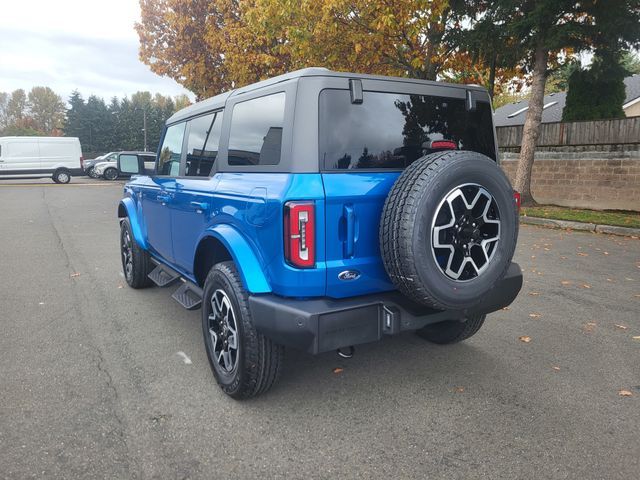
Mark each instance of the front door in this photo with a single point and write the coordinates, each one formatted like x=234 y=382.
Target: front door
x=160 y=193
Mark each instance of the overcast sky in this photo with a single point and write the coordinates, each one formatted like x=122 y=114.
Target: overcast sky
x=89 y=45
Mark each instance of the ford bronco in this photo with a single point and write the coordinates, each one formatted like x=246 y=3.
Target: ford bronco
x=321 y=210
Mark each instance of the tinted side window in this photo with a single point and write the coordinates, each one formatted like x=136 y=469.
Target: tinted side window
x=171 y=151
x=256 y=131
x=202 y=144
x=390 y=130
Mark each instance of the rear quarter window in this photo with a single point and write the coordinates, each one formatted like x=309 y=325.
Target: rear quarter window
x=256 y=131
x=392 y=130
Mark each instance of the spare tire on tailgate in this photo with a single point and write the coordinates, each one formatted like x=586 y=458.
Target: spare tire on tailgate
x=449 y=229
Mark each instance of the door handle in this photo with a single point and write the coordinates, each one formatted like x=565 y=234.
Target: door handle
x=351 y=231
x=163 y=198
x=200 y=205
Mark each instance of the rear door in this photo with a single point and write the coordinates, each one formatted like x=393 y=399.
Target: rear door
x=191 y=208
x=363 y=148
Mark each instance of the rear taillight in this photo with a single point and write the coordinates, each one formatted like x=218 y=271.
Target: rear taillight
x=299 y=234
x=443 y=145
x=516 y=198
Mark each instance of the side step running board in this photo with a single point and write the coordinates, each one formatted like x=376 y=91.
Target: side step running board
x=188 y=295
x=163 y=276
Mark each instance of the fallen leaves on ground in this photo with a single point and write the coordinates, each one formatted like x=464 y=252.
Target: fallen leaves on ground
x=524 y=338
x=459 y=389
x=636 y=337
x=120 y=286
x=535 y=315
x=565 y=282
x=506 y=308
x=586 y=285
x=73 y=275
x=563 y=257
x=582 y=254
x=621 y=327
x=534 y=294
x=624 y=393
x=556 y=368
x=637 y=295
x=338 y=370
x=589 y=327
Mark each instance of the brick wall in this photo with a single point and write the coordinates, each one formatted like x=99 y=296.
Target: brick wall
x=595 y=180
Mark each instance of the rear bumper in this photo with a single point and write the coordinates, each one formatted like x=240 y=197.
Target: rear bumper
x=319 y=325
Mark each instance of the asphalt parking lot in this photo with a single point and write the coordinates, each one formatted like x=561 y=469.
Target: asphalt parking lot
x=101 y=381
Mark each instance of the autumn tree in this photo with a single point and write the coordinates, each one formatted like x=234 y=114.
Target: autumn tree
x=16 y=106
x=4 y=101
x=210 y=46
x=46 y=110
x=185 y=40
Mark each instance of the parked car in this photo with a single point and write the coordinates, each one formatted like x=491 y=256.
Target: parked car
x=109 y=169
x=321 y=210
x=90 y=164
x=40 y=157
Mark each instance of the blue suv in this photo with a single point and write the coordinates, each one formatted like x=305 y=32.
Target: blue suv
x=321 y=210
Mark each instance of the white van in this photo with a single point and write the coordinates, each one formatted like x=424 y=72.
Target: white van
x=40 y=157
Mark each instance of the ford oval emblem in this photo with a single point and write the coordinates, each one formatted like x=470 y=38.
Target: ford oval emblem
x=349 y=275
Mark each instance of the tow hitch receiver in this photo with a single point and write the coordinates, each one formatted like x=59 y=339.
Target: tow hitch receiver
x=390 y=320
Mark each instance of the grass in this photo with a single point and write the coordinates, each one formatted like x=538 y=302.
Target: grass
x=621 y=219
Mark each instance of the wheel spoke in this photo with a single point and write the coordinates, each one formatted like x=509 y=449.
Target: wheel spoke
x=228 y=364
x=223 y=331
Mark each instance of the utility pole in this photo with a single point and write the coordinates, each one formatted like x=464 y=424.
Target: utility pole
x=144 y=127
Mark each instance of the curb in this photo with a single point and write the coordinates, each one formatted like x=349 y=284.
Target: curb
x=584 y=227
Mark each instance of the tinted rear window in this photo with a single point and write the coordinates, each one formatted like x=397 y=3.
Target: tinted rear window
x=390 y=130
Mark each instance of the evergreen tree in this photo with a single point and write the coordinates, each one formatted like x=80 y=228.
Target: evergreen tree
x=597 y=93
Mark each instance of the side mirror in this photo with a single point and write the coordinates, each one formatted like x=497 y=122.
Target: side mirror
x=129 y=164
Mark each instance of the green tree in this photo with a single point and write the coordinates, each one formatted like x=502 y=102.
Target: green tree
x=47 y=110
x=75 y=125
x=596 y=93
x=558 y=80
x=631 y=63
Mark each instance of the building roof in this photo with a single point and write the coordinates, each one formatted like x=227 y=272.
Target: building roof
x=515 y=113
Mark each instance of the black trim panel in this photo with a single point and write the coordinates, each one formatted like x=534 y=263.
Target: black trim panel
x=319 y=325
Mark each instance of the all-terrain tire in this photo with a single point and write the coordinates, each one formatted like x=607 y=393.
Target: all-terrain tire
x=409 y=214
x=136 y=262
x=258 y=359
x=452 y=331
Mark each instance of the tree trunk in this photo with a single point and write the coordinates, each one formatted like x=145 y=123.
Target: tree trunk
x=492 y=75
x=531 y=129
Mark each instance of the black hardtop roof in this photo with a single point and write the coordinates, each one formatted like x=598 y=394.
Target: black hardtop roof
x=219 y=101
